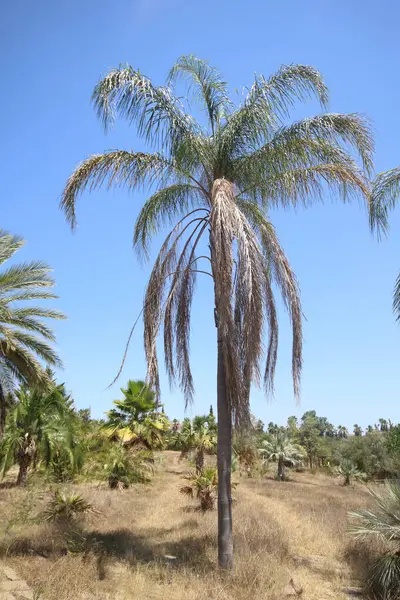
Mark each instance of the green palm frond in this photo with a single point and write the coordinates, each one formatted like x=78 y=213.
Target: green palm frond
x=209 y=87
x=158 y=115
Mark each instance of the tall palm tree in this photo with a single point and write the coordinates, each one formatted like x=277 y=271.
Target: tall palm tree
x=282 y=450
x=23 y=333
x=216 y=180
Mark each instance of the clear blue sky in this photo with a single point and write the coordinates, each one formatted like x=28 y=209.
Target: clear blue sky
x=51 y=56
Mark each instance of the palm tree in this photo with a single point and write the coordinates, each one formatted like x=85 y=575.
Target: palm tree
x=204 y=486
x=199 y=438
x=23 y=333
x=283 y=451
x=384 y=197
x=216 y=180
x=348 y=470
x=357 y=430
x=136 y=419
x=382 y=524
x=38 y=428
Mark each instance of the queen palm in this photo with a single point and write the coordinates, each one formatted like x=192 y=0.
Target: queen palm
x=215 y=182
x=23 y=333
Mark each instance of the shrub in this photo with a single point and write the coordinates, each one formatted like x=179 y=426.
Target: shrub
x=204 y=486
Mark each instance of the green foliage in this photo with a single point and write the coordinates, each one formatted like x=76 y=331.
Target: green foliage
x=66 y=508
x=203 y=486
x=136 y=420
x=383 y=524
x=25 y=338
x=348 y=470
x=40 y=430
x=245 y=449
x=125 y=466
x=282 y=450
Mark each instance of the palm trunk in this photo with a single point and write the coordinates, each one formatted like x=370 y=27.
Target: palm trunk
x=281 y=469
x=199 y=460
x=24 y=462
x=224 y=461
x=2 y=412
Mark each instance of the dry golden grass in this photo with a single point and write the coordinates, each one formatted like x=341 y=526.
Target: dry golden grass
x=282 y=530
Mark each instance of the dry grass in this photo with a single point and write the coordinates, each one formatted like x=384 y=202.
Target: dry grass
x=278 y=527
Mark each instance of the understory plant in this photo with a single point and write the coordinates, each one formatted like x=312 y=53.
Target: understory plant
x=125 y=466
x=382 y=524
x=203 y=486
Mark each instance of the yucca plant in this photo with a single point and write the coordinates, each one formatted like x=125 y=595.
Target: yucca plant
x=214 y=182
x=349 y=471
x=67 y=508
x=383 y=524
x=203 y=486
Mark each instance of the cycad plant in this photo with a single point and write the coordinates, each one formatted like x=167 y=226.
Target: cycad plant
x=280 y=449
x=215 y=181
x=24 y=335
x=382 y=524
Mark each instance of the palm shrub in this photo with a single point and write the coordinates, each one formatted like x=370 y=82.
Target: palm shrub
x=38 y=431
x=382 y=524
x=349 y=471
x=124 y=467
x=24 y=334
x=215 y=182
x=66 y=508
x=200 y=439
x=203 y=486
x=280 y=449
x=245 y=449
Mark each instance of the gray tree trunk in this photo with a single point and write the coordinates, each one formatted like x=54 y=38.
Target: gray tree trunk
x=224 y=462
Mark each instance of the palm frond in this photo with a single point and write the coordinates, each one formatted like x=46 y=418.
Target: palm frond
x=158 y=115
x=165 y=205
x=210 y=89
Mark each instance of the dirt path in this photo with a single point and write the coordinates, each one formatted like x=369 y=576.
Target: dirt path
x=12 y=587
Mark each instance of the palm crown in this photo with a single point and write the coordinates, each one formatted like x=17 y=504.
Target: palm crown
x=222 y=175
x=24 y=336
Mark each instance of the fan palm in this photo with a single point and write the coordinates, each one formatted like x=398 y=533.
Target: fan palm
x=280 y=449
x=38 y=427
x=215 y=181
x=136 y=420
x=382 y=523
x=348 y=470
x=23 y=333
x=201 y=439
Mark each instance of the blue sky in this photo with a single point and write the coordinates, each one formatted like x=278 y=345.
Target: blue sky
x=53 y=53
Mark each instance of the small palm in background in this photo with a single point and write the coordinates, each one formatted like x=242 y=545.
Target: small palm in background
x=124 y=467
x=203 y=486
x=349 y=471
x=383 y=524
x=280 y=449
